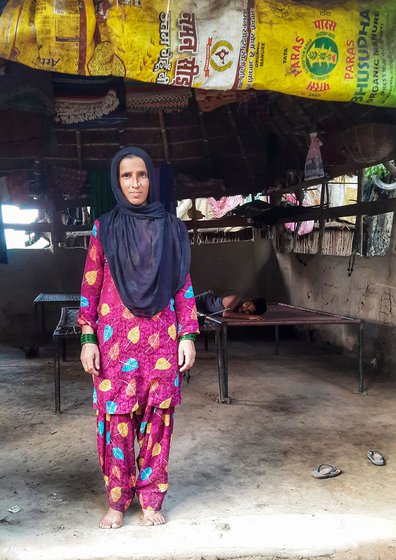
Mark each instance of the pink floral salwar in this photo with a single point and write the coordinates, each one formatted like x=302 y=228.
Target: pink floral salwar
x=139 y=380
x=116 y=435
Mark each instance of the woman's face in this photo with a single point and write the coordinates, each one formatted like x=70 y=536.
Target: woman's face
x=133 y=179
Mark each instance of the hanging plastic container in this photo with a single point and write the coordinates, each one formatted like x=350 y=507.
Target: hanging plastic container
x=314 y=164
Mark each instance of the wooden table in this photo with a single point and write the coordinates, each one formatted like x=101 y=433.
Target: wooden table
x=277 y=314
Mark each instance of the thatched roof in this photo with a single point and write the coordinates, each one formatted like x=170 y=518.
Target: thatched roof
x=257 y=144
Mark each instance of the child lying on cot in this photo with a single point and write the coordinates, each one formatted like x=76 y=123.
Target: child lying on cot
x=230 y=306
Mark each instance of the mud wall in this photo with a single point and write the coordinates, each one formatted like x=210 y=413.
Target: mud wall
x=369 y=292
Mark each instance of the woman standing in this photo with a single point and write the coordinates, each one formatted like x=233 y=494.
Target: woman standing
x=139 y=322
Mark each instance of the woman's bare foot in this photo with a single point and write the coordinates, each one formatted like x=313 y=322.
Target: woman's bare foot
x=152 y=517
x=112 y=519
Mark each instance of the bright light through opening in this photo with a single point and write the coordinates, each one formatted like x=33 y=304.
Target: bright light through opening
x=16 y=239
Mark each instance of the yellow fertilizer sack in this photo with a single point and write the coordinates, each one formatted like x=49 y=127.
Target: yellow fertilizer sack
x=338 y=54
x=342 y=53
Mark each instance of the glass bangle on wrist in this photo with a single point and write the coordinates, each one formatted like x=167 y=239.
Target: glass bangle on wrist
x=89 y=338
x=190 y=336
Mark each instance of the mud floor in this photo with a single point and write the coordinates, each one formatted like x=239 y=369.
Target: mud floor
x=240 y=474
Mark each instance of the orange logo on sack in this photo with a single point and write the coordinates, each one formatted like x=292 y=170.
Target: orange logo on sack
x=221 y=56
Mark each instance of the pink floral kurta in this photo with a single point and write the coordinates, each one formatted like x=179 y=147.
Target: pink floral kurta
x=139 y=360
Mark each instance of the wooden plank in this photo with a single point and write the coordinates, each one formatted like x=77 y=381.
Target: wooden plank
x=227 y=221
x=322 y=221
x=43 y=204
x=46 y=227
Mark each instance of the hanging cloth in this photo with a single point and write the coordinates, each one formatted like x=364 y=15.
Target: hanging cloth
x=100 y=193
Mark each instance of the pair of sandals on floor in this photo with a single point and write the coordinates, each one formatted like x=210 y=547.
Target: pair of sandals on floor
x=329 y=471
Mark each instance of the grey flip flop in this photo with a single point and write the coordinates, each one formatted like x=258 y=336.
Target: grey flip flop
x=376 y=457
x=326 y=471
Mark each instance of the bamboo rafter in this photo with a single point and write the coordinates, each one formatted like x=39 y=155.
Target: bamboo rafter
x=248 y=167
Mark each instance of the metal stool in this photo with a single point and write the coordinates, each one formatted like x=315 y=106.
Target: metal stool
x=204 y=328
x=67 y=328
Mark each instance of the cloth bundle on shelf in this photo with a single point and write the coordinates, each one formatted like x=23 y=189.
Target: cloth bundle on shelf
x=80 y=100
x=151 y=97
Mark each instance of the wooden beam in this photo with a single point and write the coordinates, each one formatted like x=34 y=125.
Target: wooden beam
x=178 y=142
x=303 y=185
x=29 y=227
x=46 y=227
x=194 y=221
x=373 y=208
x=132 y=128
x=55 y=223
x=110 y=129
x=89 y=144
x=42 y=204
x=88 y=159
x=227 y=221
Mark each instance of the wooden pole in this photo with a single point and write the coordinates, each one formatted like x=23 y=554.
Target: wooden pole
x=164 y=136
x=359 y=217
x=194 y=220
x=322 y=220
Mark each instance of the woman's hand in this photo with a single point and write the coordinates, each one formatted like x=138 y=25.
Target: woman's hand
x=186 y=355
x=90 y=358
